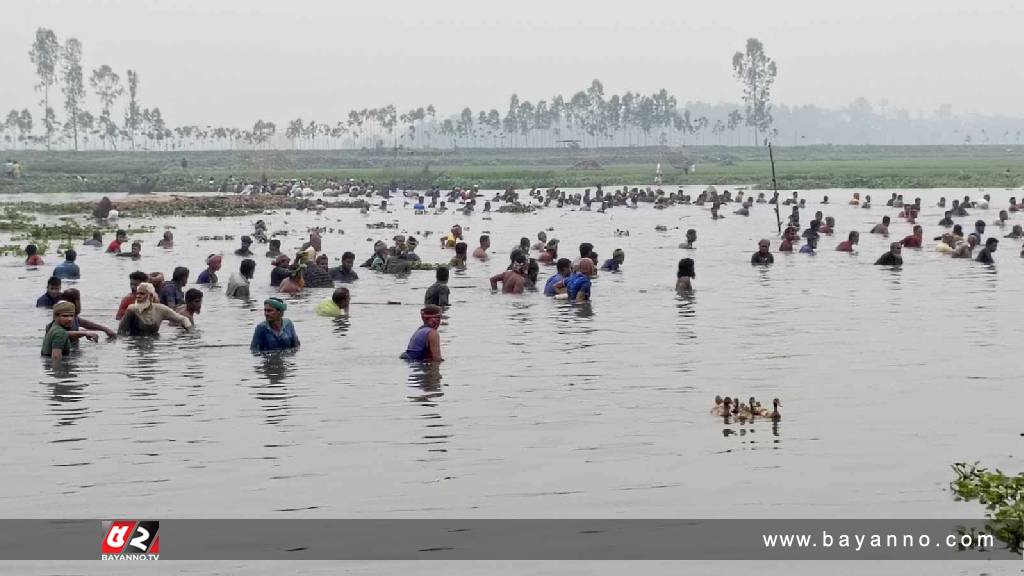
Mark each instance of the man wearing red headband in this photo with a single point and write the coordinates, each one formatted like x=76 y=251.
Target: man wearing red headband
x=425 y=344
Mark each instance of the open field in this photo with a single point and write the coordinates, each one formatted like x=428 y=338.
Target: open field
x=797 y=167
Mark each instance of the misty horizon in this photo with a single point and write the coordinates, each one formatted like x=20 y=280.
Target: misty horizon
x=320 y=60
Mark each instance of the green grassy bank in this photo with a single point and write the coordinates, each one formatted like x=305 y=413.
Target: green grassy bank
x=797 y=167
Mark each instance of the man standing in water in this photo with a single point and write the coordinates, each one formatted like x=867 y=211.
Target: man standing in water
x=985 y=255
x=135 y=253
x=613 y=264
x=892 y=257
x=848 y=244
x=213 y=264
x=134 y=279
x=115 y=245
x=480 y=252
x=965 y=249
x=577 y=286
x=244 y=250
x=193 y=304
x=882 y=228
x=276 y=332
x=68 y=270
x=172 y=293
x=763 y=256
x=564 y=270
x=513 y=280
x=59 y=335
x=914 y=240
x=238 y=283
x=344 y=273
x=438 y=292
x=425 y=344
x=52 y=295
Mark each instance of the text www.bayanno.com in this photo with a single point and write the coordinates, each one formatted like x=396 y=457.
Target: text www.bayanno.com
x=858 y=542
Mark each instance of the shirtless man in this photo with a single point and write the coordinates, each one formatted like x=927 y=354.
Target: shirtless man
x=883 y=227
x=513 y=281
x=480 y=252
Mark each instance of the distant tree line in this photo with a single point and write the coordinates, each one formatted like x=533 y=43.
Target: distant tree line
x=588 y=118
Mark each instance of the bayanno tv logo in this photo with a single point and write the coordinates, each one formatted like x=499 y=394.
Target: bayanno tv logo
x=130 y=540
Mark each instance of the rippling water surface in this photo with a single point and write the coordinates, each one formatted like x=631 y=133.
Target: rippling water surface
x=543 y=409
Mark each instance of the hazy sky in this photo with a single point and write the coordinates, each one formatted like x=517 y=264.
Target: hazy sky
x=228 y=62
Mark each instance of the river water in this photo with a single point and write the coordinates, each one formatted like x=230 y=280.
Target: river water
x=542 y=409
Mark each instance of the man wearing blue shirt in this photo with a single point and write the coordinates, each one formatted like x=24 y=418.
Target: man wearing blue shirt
x=52 y=295
x=68 y=269
x=564 y=269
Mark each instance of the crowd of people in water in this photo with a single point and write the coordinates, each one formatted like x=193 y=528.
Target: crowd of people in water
x=153 y=300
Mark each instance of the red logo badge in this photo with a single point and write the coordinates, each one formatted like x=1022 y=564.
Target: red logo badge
x=130 y=540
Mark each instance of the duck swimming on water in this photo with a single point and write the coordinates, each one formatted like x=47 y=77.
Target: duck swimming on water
x=724 y=408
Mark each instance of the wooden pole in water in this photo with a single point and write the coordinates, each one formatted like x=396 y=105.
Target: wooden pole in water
x=775 y=188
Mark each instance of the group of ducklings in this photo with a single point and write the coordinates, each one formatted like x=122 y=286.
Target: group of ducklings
x=751 y=409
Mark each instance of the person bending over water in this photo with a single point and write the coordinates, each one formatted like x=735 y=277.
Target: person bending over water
x=276 y=332
x=60 y=337
x=685 y=275
x=335 y=306
x=425 y=344
x=147 y=314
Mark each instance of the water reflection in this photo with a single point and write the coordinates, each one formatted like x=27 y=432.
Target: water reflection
x=275 y=368
x=425 y=377
x=746 y=428
x=341 y=325
x=66 y=391
x=686 y=301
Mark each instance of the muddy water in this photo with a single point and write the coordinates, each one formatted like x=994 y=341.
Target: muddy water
x=543 y=409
